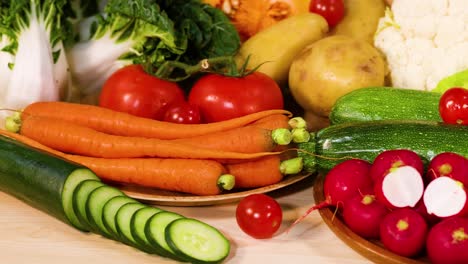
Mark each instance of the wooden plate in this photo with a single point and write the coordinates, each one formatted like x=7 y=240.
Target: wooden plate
x=161 y=197
x=372 y=250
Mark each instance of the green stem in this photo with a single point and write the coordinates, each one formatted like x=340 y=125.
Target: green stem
x=297 y=122
x=226 y=182
x=281 y=136
x=13 y=123
x=291 y=166
x=309 y=157
x=176 y=71
x=300 y=135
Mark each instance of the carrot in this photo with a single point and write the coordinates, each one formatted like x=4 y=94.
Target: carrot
x=199 y=177
x=123 y=124
x=272 y=122
x=75 y=139
x=247 y=139
x=256 y=173
x=194 y=176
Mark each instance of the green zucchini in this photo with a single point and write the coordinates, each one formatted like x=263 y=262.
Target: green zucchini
x=385 y=103
x=365 y=140
x=41 y=180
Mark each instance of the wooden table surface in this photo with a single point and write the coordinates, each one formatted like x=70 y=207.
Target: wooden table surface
x=29 y=236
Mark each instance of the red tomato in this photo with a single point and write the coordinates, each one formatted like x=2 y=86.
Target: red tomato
x=136 y=92
x=332 y=10
x=259 y=215
x=453 y=106
x=182 y=113
x=222 y=97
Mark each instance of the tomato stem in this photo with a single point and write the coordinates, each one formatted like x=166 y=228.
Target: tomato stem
x=176 y=71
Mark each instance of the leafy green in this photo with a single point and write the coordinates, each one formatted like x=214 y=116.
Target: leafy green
x=459 y=79
x=207 y=29
x=32 y=53
x=152 y=33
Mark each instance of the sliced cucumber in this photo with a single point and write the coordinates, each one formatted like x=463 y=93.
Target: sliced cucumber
x=110 y=210
x=154 y=231
x=96 y=201
x=138 y=223
x=73 y=181
x=80 y=196
x=196 y=241
x=122 y=221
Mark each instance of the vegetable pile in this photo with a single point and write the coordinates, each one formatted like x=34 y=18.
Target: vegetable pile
x=65 y=50
x=412 y=208
x=75 y=195
x=201 y=159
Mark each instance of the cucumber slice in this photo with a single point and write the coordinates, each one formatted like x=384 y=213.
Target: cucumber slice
x=196 y=241
x=154 y=231
x=74 y=180
x=80 y=197
x=110 y=210
x=122 y=220
x=96 y=201
x=138 y=223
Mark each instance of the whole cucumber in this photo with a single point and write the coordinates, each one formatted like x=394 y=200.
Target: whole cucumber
x=386 y=103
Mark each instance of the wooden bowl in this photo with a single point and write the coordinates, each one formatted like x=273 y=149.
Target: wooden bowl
x=372 y=250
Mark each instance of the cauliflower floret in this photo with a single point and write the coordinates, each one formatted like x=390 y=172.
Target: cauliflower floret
x=424 y=41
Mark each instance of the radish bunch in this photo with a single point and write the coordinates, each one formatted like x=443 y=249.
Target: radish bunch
x=412 y=208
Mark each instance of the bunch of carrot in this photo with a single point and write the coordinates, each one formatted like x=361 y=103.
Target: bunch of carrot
x=201 y=159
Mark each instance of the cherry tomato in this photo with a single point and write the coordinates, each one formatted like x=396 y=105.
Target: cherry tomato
x=132 y=90
x=453 y=106
x=222 y=97
x=332 y=10
x=259 y=215
x=183 y=113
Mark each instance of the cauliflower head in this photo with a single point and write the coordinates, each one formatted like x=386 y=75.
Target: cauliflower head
x=423 y=41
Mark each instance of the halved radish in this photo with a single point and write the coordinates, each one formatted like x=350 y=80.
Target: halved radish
x=445 y=197
x=448 y=164
x=402 y=187
x=389 y=160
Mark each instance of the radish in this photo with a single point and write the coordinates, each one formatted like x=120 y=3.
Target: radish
x=363 y=214
x=404 y=231
x=401 y=187
x=345 y=180
x=389 y=160
x=342 y=182
x=448 y=164
x=431 y=219
x=447 y=241
x=445 y=197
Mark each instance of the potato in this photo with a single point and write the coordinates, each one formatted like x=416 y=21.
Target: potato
x=332 y=67
x=277 y=45
x=361 y=19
